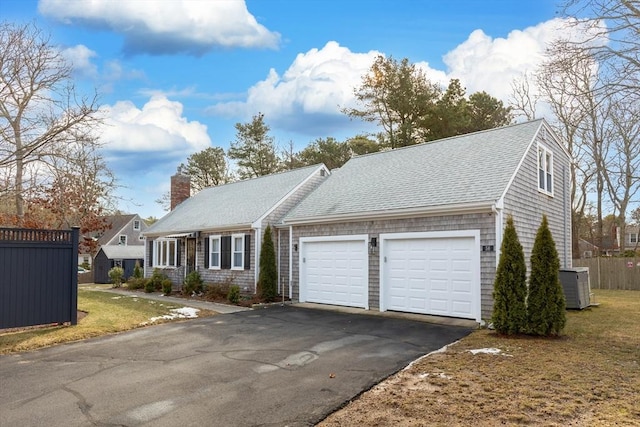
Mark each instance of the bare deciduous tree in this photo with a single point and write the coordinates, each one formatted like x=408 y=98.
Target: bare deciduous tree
x=39 y=107
x=617 y=22
x=622 y=175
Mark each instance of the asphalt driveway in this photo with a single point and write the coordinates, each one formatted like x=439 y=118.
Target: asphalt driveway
x=279 y=366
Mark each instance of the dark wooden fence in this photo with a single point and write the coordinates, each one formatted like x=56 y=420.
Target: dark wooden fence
x=612 y=273
x=38 y=277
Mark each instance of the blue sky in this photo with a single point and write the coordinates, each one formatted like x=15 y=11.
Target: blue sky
x=175 y=76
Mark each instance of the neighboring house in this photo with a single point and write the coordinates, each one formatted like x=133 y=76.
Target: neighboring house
x=121 y=245
x=419 y=229
x=110 y=256
x=219 y=231
x=631 y=241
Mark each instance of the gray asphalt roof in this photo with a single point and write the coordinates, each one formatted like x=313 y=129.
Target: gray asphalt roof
x=237 y=203
x=124 y=251
x=466 y=169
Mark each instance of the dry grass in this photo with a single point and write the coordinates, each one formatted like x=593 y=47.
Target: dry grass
x=106 y=314
x=588 y=377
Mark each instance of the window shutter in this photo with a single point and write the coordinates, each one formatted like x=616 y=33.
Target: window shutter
x=178 y=253
x=206 y=252
x=150 y=260
x=247 y=251
x=225 y=243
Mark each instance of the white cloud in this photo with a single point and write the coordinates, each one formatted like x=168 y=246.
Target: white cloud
x=168 y=26
x=490 y=64
x=159 y=127
x=310 y=92
x=80 y=57
x=319 y=81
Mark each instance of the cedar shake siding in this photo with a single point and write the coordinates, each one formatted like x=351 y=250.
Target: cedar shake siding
x=482 y=221
x=527 y=205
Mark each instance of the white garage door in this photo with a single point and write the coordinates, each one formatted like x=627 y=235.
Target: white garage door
x=431 y=273
x=334 y=271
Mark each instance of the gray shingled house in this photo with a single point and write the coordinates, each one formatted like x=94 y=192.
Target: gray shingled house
x=121 y=245
x=219 y=230
x=419 y=229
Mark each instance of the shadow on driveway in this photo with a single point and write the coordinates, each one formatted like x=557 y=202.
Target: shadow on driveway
x=268 y=367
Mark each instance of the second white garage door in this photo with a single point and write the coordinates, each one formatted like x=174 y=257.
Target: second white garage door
x=335 y=270
x=431 y=273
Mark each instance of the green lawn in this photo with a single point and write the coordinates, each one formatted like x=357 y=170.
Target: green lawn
x=107 y=313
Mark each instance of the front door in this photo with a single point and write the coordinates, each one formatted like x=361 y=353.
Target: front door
x=191 y=255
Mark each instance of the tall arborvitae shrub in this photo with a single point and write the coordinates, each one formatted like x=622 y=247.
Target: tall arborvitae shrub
x=268 y=277
x=510 y=287
x=545 y=303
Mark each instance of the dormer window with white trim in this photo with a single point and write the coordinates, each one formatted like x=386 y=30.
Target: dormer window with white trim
x=545 y=170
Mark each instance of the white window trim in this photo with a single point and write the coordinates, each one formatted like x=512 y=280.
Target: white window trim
x=633 y=237
x=234 y=251
x=120 y=242
x=157 y=244
x=136 y=225
x=547 y=170
x=219 y=239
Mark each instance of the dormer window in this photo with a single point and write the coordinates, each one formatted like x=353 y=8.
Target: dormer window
x=545 y=170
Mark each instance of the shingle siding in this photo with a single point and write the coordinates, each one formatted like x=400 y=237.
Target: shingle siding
x=527 y=205
x=245 y=279
x=484 y=222
x=276 y=216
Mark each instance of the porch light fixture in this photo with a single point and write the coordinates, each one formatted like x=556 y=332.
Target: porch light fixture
x=373 y=244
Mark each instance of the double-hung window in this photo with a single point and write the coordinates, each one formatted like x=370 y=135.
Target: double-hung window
x=237 y=252
x=165 y=253
x=633 y=237
x=136 y=225
x=214 y=252
x=545 y=170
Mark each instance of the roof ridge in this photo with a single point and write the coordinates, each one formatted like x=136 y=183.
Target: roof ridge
x=449 y=138
x=256 y=178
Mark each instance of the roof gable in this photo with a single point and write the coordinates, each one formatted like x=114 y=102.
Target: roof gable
x=116 y=224
x=237 y=204
x=463 y=170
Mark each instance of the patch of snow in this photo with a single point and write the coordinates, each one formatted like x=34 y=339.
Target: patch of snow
x=439 y=375
x=487 y=351
x=116 y=297
x=178 y=313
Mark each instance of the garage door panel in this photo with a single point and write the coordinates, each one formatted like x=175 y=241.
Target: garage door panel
x=335 y=272
x=431 y=275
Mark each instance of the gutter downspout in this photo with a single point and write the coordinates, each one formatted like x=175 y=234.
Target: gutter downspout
x=291 y=262
x=497 y=209
x=564 y=218
x=257 y=245
x=280 y=281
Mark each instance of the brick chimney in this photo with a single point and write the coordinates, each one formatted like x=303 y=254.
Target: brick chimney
x=180 y=189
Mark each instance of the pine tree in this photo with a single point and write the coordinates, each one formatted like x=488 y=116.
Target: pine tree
x=546 y=304
x=510 y=287
x=268 y=277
